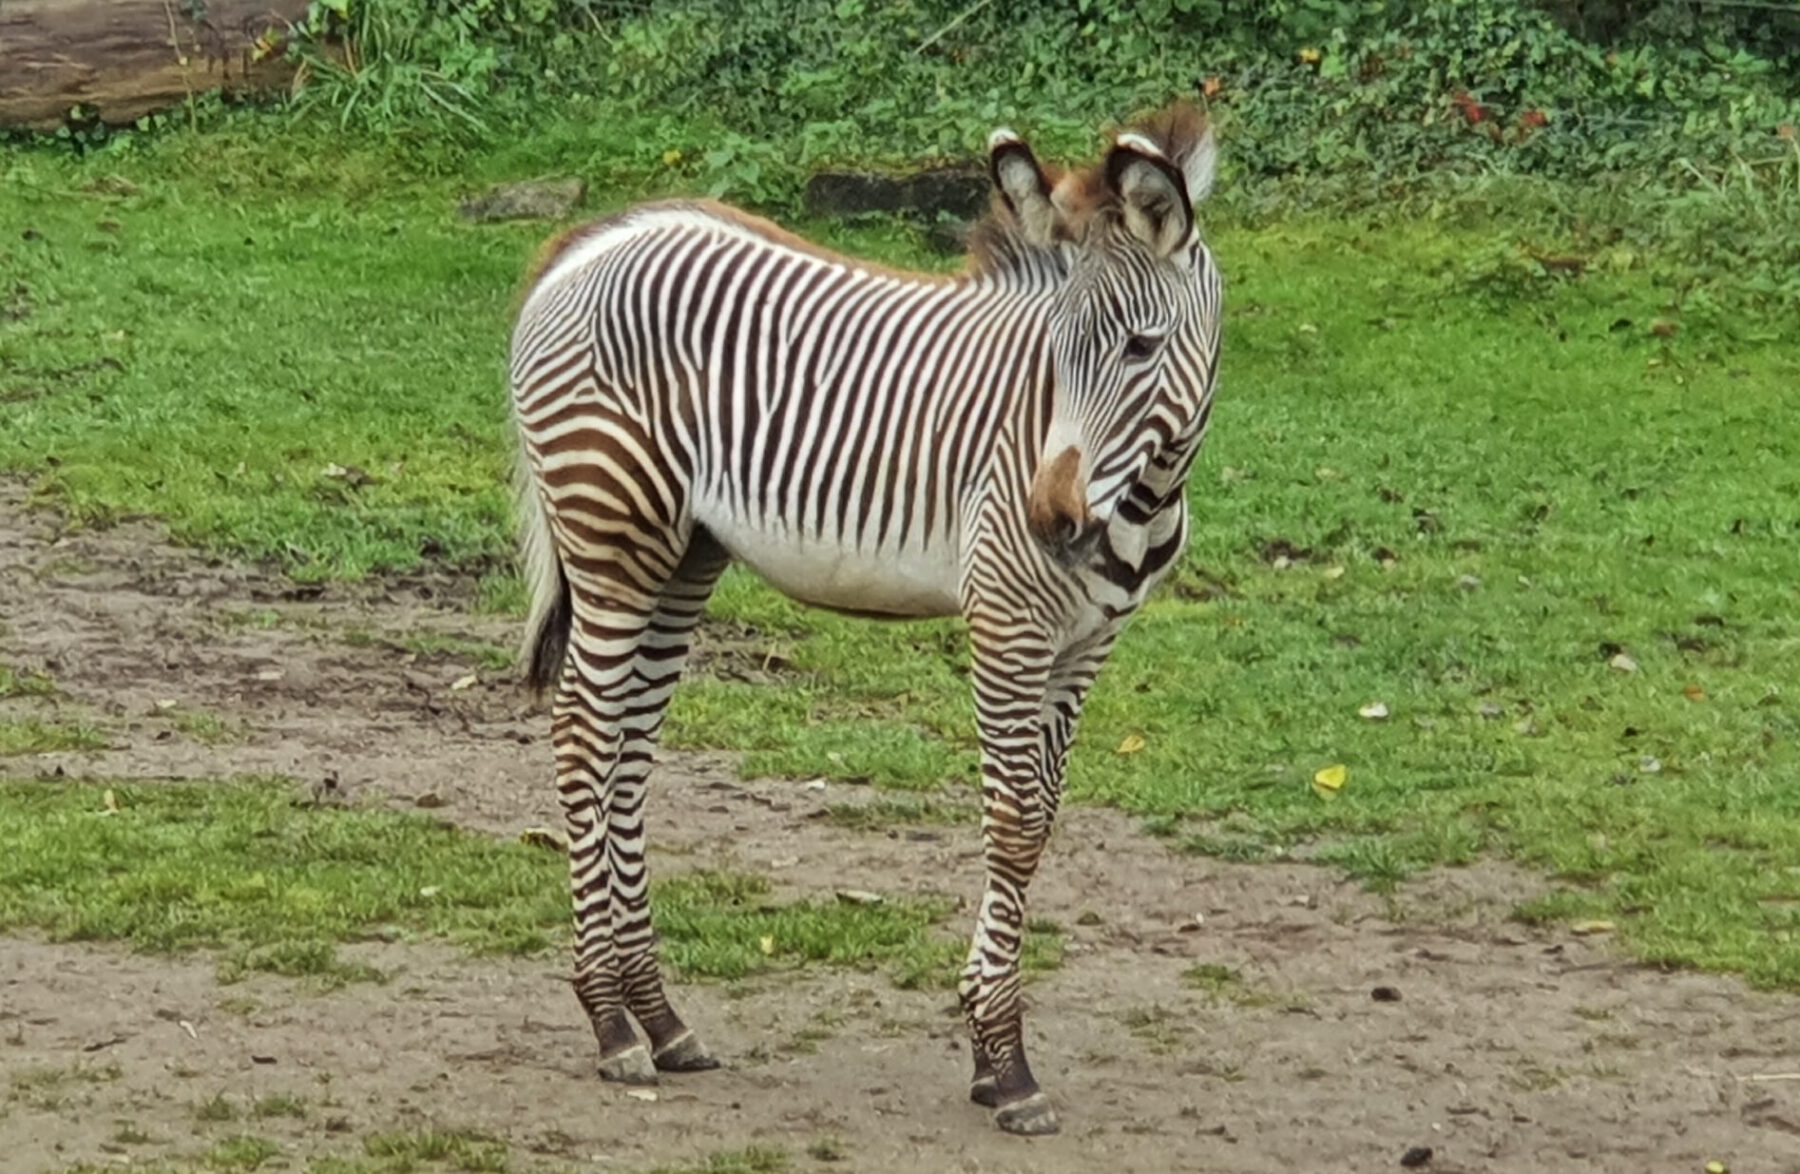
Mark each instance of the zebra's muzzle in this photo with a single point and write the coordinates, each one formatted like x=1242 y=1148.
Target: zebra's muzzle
x=1057 y=510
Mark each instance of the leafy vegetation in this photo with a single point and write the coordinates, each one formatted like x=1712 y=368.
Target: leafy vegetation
x=1309 y=85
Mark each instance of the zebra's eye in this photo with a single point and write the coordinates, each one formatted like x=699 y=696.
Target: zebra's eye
x=1139 y=347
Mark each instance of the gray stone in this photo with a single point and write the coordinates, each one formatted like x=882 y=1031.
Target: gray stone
x=538 y=199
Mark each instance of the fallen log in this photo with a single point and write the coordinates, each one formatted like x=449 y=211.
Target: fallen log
x=118 y=60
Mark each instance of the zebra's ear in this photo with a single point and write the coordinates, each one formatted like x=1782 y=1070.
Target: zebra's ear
x=1153 y=190
x=1023 y=186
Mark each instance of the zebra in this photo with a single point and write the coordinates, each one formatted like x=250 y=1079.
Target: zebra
x=693 y=386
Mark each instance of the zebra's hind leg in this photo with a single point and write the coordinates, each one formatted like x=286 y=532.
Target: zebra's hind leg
x=614 y=688
x=587 y=749
x=661 y=656
x=1011 y=669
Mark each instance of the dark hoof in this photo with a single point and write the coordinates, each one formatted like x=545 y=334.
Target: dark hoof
x=631 y=1066
x=1031 y=1117
x=985 y=1091
x=685 y=1053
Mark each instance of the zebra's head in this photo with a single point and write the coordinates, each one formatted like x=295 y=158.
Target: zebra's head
x=1133 y=321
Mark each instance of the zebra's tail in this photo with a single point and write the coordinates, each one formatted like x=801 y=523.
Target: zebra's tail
x=547 y=623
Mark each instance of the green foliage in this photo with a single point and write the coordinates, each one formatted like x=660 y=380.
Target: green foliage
x=1377 y=87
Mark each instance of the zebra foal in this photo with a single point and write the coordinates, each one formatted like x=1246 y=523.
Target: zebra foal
x=692 y=386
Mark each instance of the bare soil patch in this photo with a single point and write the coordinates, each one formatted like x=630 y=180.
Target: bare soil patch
x=1506 y=1049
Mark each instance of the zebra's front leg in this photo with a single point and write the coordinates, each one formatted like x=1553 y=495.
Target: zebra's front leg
x=1071 y=675
x=1011 y=675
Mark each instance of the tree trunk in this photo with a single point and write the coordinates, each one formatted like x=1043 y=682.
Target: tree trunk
x=118 y=60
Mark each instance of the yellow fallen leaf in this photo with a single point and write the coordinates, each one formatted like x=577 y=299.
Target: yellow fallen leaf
x=1717 y=1168
x=768 y=944
x=110 y=801
x=1132 y=744
x=671 y=157
x=1585 y=928
x=1330 y=780
x=1310 y=56
x=1694 y=693
x=466 y=682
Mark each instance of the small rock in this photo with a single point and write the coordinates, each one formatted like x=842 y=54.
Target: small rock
x=1385 y=994
x=1491 y=711
x=260 y=1059
x=1375 y=711
x=858 y=897
x=1590 y=928
x=430 y=891
x=641 y=1094
x=1650 y=764
x=464 y=682
x=428 y=800
x=1415 y=1157
x=961 y=192
x=1468 y=583
x=549 y=199
x=814 y=784
x=270 y=675
x=1622 y=663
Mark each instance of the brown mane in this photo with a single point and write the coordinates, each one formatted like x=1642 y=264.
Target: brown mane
x=995 y=242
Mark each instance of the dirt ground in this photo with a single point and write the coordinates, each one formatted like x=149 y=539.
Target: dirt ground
x=1506 y=1050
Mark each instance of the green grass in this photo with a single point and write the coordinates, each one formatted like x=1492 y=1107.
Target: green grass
x=1483 y=482
x=32 y=736
x=277 y=886
x=14 y=683
x=208 y=729
x=752 y=1160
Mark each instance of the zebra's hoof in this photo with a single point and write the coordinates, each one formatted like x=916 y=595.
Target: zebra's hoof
x=685 y=1053
x=1031 y=1117
x=631 y=1066
x=985 y=1091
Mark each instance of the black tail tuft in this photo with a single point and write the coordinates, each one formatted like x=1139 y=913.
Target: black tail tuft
x=550 y=643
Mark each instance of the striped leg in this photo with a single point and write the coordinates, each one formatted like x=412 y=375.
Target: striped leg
x=614 y=689
x=1011 y=668
x=1071 y=676
x=592 y=698
x=661 y=656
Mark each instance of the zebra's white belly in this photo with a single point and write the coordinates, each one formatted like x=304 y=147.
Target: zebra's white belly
x=892 y=581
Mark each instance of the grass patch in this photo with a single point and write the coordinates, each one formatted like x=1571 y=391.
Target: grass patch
x=488 y=656
x=881 y=814
x=29 y=683
x=217 y=1110
x=278 y=1105
x=47 y=1087
x=208 y=729
x=391 y=1153
x=277 y=886
x=1225 y=984
x=32 y=736
x=1445 y=477
x=755 y=1159
x=242 y=1153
